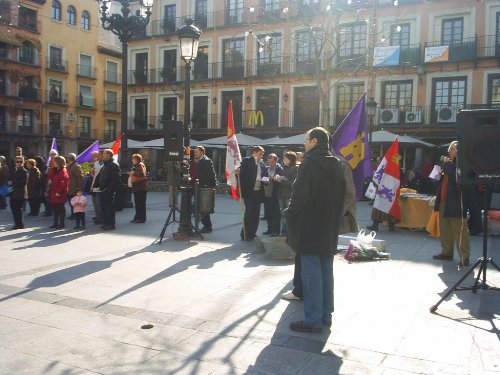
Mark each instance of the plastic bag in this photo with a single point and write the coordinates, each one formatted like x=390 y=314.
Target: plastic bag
x=371 y=191
x=364 y=238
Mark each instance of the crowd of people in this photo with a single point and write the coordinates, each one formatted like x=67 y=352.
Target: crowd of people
x=310 y=199
x=60 y=181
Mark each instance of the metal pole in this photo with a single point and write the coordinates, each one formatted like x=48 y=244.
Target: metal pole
x=124 y=113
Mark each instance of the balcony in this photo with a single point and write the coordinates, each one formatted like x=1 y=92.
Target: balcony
x=85 y=101
x=56 y=97
x=25 y=129
x=141 y=77
x=83 y=132
x=86 y=71
x=28 y=56
x=55 y=130
x=385 y=56
x=111 y=107
x=488 y=46
x=29 y=93
x=112 y=77
x=57 y=65
x=28 y=23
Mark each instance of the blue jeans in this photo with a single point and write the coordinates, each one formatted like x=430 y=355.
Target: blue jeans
x=283 y=205
x=317 y=280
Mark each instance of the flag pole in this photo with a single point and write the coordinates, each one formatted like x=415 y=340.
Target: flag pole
x=242 y=209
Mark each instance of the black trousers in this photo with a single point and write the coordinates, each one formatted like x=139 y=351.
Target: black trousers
x=16 y=206
x=35 y=205
x=274 y=214
x=140 y=204
x=69 y=203
x=252 y=212
x=205 y=220
x=108 y=208
x=80 y=219
x=59 y=213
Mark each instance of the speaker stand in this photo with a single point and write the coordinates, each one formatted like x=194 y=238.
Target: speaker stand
x=482 y=263
x=170 y=219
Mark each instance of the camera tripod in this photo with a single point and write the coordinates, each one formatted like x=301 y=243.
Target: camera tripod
x=170 y=218
x=482 y=262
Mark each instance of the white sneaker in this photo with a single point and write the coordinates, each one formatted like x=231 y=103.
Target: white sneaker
x=289 y=296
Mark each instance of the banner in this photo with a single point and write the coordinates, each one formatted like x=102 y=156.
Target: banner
x=437 y=53
x=116 y=147
x=233 y=156
x=350 y=140
x=386 y=56
x=86 y=156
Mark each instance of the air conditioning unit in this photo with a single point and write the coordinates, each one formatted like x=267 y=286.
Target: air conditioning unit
x=389 y=116
x=446 y=114
x=413 y=117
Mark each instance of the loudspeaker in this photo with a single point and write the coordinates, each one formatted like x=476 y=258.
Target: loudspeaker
x=478 y=146
x=173 y=146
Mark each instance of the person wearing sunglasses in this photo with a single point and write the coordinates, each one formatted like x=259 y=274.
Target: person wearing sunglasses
x=18 y=180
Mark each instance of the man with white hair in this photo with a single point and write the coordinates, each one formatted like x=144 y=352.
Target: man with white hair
x=75 y=175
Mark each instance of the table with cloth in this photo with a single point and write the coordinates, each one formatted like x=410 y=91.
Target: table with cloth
x=416 y=209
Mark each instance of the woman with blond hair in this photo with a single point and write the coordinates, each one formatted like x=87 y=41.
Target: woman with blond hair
x=59 y=191
x=139 y=182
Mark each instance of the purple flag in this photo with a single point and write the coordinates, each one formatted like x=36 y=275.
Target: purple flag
x=86 y=156
x=350 y=141
x=53 y=146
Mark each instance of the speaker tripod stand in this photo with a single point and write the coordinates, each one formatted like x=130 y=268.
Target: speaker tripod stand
x=482 y=263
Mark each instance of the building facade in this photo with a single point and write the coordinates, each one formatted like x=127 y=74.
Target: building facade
x=58 y=80
x=291 y=65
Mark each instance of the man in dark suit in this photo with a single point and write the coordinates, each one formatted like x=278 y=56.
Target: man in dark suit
x=271 y=196
x=109 y=181
x=251 y=171
x=203 y=169
x=18 y=180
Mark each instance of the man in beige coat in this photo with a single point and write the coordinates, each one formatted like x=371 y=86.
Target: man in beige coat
x=75 y=175
x=348 y=223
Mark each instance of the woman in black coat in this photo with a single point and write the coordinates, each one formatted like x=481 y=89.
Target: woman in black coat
x=18 y=180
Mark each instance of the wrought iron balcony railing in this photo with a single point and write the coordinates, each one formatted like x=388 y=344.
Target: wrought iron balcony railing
x=86 y=71
x=56 y=97
x=57 y=65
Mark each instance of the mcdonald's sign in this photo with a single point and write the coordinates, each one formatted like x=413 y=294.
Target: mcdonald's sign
x=253 y=118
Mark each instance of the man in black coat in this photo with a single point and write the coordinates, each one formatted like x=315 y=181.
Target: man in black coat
x=109 y=181
x=18 y=180
x=251 y=171
x=313 y=221
x=202 y=169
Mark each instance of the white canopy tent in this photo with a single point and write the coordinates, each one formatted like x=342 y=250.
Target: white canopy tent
x=131 y=144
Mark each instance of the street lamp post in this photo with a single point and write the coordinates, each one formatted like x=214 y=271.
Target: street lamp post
x=126 y=27
x=371 y=111
x=189 y=37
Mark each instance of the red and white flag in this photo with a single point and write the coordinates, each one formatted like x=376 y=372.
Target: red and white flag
x=388 y=180
x=116 y=147
x=233 y=156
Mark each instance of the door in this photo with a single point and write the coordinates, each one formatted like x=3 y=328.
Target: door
x=141 y=68
x=200 y=69
x=306 y=107
x=141 y=114
x=237 y=98
x=200 y=112
x=169 y=72
x=169 y=109
x=268 y=103
x=56 y=59
x=497 y=36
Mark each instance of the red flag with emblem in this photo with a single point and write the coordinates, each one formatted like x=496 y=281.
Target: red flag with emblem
x=388 y=179
x=233 y=156
x=116 y=147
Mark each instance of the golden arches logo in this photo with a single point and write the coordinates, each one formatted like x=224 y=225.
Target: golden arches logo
x=253 y=118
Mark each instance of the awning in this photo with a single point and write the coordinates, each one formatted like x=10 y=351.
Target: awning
x=9 y=38
x=24 y=38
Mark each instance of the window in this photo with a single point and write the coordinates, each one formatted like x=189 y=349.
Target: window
x=71 y=15
x=497 y=36
x=353 y=42
x=305 y=52
x=111 y=71
x=401 y=37
x=347 y=96
x=169 y=108
x=200 y=69
x=111 y=101
x=4 y=50
x=55 y=91
x=141 y=72
x=25 y=121
x=27 y=18
x=232 y=60
x=84 y=126
x=271 y=5
x=85 y=20
x=268 y=102
x=448 y=98
x=85 y=98
x=27 y=53
x=85 y=67
x=2 y=82
x=110 y=130
x=5 y=11
x=397 y=94
x=234 y=11
x=3 y=118
x=452 y=31
x=269 y=55
x=55 y=59
x=494 y=90
x=56 y=10
x=169 y=71
x=169 y=20
x=200 y=116
x=140 y=114
x=55 y=123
